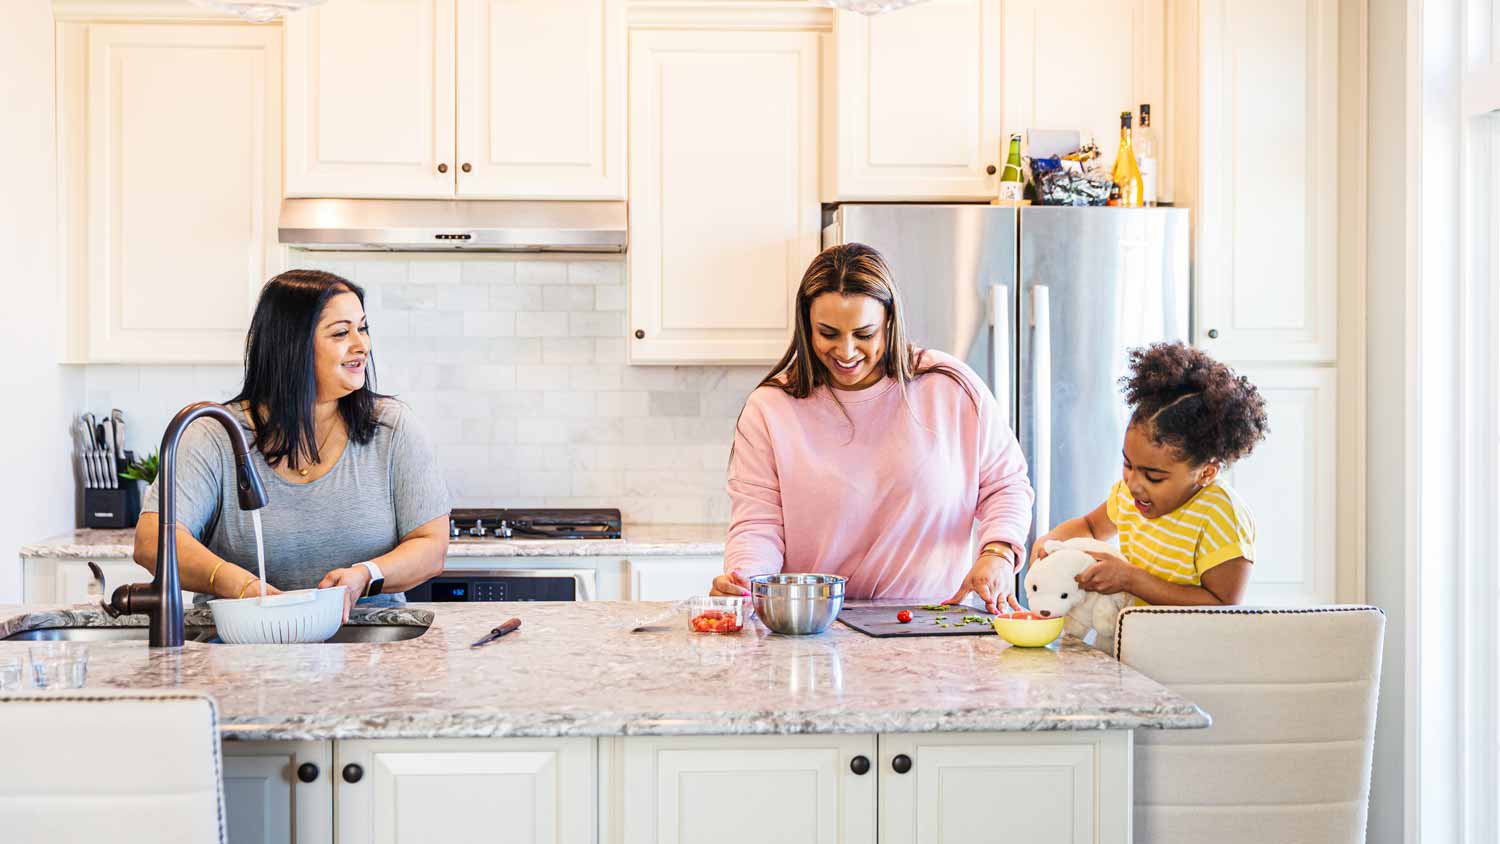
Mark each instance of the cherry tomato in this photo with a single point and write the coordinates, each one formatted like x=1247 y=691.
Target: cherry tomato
x=904 y=616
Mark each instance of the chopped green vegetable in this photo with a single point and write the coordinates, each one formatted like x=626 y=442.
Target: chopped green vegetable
x=976 y=619
x=935 y=607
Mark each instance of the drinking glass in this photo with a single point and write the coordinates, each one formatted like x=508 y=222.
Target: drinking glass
x=59 y=665
x=11 y=670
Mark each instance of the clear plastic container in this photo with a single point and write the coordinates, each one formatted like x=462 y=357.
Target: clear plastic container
x=718 y=614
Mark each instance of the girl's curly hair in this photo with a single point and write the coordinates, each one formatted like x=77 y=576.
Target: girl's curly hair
x=1193 y=404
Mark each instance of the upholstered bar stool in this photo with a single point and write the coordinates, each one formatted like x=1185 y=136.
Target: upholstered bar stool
x=96 y=765
x=1292 y=695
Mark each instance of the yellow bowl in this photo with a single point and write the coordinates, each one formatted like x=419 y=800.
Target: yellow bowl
x=1029 y=632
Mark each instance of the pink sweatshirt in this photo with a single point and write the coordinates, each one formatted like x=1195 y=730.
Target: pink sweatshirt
x=889 y=504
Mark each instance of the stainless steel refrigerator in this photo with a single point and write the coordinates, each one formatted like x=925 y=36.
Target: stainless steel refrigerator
x=1045 y=302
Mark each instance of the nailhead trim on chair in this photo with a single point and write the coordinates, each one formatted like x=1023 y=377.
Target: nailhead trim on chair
x=213 y=725
x=1120 y=624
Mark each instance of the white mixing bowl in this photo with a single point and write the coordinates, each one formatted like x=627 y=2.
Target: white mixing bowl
x=306 y=615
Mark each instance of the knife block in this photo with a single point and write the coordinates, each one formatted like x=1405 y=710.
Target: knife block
x=112 y=508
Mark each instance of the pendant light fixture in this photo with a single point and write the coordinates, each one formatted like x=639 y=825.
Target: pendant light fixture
x=258 y=11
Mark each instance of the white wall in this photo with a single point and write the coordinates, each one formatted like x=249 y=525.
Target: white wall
x=516 y=365
x=38 y=497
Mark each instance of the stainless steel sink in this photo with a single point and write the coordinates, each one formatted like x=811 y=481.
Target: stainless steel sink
x=349 y=633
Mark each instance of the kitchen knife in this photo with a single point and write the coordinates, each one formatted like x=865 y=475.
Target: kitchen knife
x=111 y=477
x=118 y=420
x=81 y=442
x=497 y=633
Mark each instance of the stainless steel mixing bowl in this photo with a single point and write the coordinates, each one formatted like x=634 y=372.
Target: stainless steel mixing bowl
x=797 y=604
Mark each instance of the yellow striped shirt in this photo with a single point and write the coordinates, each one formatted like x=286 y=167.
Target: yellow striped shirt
x=1214 y=526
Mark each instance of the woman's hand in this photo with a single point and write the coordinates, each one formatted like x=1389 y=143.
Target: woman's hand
x=1111 y=574
x=992 y=578
x=732 y=583
x=354 y=579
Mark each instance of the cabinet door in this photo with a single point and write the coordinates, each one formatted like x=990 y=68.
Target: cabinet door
x=541 y=99
x=1065 y=788
x=673 y=578
x=1290 y=484
x=467 y=791
x=687 y=789
x=183 y=168
x=1267 y=243
x=1080 y=69
x=369 y=99
x=724 y=213
x=265 y=800
x=917 y=104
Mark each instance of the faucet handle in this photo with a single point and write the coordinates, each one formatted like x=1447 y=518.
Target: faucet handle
x=97 y=591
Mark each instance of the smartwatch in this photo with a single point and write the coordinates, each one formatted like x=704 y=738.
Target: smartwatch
x=377 y=580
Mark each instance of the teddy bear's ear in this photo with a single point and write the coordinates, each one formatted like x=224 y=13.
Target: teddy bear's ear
x=1053 y=544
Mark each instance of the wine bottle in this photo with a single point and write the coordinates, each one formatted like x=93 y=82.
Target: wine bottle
x=1012 y=182
x=1126 y=173
x=1145 y=156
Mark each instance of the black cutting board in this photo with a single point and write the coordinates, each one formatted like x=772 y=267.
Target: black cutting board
x=881 y=622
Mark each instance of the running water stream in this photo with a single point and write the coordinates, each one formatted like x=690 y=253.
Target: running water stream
x=260 y=553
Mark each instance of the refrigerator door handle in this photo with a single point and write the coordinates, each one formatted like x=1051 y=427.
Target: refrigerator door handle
x=1041 y=431
x=1000 y=348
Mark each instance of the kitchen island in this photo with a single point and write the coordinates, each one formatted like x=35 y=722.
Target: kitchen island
x=580 y=730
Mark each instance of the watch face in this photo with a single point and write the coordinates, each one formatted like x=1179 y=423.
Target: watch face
x=377 y=585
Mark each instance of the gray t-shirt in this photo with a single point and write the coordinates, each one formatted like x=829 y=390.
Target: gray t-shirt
x=375 y=494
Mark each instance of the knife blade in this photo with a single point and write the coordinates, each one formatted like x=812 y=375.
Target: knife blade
x=111 y=476
x=117 y=418
x=497 y=632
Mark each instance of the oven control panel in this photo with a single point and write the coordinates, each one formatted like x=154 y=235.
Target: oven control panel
x=447 y=587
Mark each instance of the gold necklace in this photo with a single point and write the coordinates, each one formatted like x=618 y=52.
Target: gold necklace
x=303 y=470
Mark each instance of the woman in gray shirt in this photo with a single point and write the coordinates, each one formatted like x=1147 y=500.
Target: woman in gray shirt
x=356 y=499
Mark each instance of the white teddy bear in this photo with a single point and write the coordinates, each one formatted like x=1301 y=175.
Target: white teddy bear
x=1052 y=590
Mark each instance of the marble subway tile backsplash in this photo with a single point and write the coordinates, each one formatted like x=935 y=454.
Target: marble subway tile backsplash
x=517 y=368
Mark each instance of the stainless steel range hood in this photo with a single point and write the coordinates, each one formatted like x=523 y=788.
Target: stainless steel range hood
x=447 y=225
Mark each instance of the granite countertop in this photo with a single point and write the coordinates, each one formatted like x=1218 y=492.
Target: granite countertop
x=639 y=540
x=574 y=669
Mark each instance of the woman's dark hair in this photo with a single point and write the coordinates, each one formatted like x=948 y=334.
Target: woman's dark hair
x=851 y=269
x=281 y=385
x=1193 y=404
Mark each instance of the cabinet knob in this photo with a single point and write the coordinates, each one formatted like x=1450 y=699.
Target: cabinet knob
x=353 y=773
x=901 y=763
x=990 y=169
x=860 y=765
x=466 y=168
x=442 y=168
x=1213 y=334
x=639 y=334
x=307 y=772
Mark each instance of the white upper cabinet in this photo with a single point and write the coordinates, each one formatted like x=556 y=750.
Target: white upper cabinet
x=170 y=139
x=1290 y=485
x=1080 y=68
x=505 y=99
x=369 y=99
x=917 y=111
x=541 y=99
x=724 y=212
x=1267 y=238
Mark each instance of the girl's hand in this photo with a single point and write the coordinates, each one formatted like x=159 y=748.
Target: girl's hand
x=354 y=580
x=1110 y=575
x=993 y=579
x=732 y=583
x=1039 y=550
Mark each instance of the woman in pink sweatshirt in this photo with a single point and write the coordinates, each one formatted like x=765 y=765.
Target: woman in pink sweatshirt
x=864 y=456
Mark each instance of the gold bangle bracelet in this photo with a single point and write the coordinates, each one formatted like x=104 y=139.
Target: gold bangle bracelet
x=247 y=585
x=211 y=575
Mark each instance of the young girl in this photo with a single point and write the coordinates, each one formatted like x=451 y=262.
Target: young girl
x=1185 y=536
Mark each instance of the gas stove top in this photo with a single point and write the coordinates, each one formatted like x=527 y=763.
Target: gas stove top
x=486 y=523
